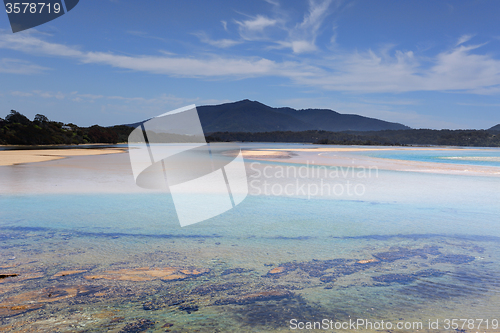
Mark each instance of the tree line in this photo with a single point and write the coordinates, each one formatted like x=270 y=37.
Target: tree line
x=17 y=129
x=468 y=138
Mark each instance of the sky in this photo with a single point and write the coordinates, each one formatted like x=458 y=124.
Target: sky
x=425 y=64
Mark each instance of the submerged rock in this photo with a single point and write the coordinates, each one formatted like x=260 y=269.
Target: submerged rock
x=33 y=300
x=235 y=271
x=163 y=302
x=212 y=289
x=328 y=278
x=188 y=308
x=277 y=270
x=453 y=259
x=315 y=268
x=149 y=274
x=66 y=273
x=403 y=253
x=17 y=277
x=367 y=261
x=407 y=278
x=398 y=278
x=138 y=326
x=261 y=296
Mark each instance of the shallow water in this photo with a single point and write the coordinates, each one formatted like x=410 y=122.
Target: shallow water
x=413 y=248
x=467 y=156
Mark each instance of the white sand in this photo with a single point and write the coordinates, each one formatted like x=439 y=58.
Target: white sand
x=12 y=157
x=342 y=157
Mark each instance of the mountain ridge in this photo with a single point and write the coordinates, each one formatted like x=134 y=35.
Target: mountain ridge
x=495 y=128
x=253 y=116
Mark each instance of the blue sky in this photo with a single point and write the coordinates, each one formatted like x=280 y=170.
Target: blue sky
x=426 y=64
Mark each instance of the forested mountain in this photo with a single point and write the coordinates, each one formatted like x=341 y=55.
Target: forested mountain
x=495 y=128
x=252 y=116
x=17 y=129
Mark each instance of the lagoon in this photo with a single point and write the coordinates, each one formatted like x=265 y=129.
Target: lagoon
x=416 y=246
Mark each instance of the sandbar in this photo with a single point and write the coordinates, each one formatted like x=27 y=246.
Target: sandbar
x=343 y=157
x=13 y=157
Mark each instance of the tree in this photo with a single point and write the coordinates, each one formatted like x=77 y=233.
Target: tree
x=41 y=118
x=15 y=117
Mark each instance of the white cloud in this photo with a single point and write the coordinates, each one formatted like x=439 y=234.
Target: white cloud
x=253 y=29
x=299 y=46
x=461 y=68
x=259 y=23
x=302 y=37
x=21 y=93
x=486 y=105
x=47 y=94
x=464 y=39
x=17 y=66
x=222 y=43
x=160 y=101
x=273 y=2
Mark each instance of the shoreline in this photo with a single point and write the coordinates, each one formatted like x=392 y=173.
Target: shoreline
x=24 y=156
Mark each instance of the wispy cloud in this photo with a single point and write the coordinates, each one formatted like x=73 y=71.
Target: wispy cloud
x=17 y=66
x=224 y=24
x=163 y=100
x=212 y=66
x=464 y=39
x=222 y=43
x=461 y=68
x=303 y=36
x=253 y=28
x=485 y=105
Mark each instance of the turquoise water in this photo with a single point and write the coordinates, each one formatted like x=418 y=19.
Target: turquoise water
x=110 y=231
x=415 y=247
x=258 y=216
x=468 y=156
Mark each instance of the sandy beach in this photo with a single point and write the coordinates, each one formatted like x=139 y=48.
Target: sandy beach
x=353 y=149
x=266 y=154
x=13 y=157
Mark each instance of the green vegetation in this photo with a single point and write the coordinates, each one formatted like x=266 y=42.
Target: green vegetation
x=469 y=138
x=17 y=129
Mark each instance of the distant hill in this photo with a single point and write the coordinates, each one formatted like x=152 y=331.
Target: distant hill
x=495 y=128
x=252 y=116
x=17 y=129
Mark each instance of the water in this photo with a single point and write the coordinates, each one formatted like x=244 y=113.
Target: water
x=467 y=156
x=414 y=248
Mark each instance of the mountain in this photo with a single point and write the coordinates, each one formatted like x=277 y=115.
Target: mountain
x=495 y=128
x=252 y=116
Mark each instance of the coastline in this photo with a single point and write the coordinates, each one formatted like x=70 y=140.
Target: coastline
x=14 y=157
